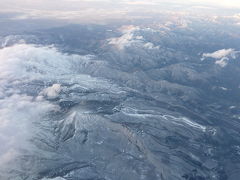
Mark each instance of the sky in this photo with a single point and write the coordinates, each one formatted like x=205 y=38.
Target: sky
x=68 y=3
x=106 y=9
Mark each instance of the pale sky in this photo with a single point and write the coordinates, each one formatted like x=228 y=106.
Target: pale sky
x=68 y=3
x=104 y=9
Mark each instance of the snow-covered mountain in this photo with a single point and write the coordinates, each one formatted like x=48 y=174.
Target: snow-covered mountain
x=121 y=101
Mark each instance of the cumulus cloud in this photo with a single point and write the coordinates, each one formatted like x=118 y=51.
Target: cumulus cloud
x=221 y=56
x=53 y=91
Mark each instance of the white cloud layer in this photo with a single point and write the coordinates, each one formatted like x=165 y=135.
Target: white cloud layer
x=18 y=112
x=30 y=76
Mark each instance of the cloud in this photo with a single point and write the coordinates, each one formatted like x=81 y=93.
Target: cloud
x=150 y=45
x=131 y=36
x=219 y=54
x=53 y=91
x=30 y=77
x=222 y=62
x=222 y=56
x=127 y=38
x=18 y=113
